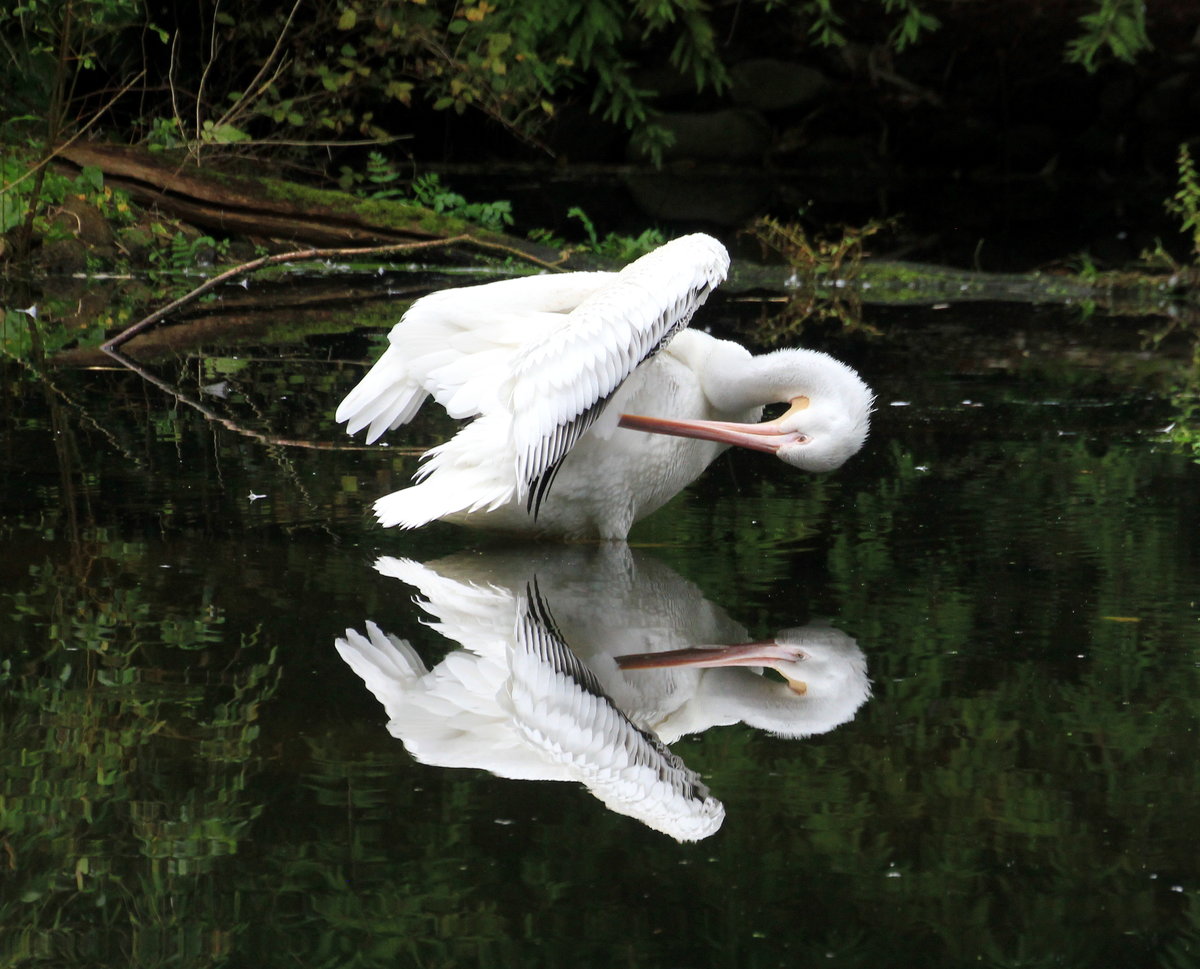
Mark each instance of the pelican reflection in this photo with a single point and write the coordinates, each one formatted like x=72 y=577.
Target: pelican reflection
x=582 y=664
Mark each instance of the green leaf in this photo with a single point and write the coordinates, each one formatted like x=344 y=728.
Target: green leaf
x=90 y=178
x=224 y=134
x=347 y=20
x=499 y=43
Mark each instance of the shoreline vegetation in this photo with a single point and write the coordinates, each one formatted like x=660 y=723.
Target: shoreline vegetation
x=129 y=212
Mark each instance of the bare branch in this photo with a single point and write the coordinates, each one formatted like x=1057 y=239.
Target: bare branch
x=235 y=426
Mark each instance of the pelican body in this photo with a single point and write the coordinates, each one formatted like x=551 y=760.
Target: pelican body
x=590 y=403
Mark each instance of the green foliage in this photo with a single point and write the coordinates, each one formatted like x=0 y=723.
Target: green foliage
x=16 y=197
x=823 y=265
x=1115 y=26
x=614 y=245
x=302 y=75
x=106 y=838
x=384 y=176
x=21 y=334
x=913 y=22
x=1185 y=203
x=508 y=61
x=429 y=191
x=57 y=39
x=621 y=247
x=819 y=255
x=1184 y=430
x=826 y=22
x=382 y=180
x=825 y=25
x=37 y=331
x=14 y=202
x=164 y=133
x=181 y=253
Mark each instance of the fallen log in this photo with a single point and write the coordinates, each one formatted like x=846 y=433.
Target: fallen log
x=269 y=208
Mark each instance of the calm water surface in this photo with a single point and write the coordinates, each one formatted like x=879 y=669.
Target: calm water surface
x=996 y=763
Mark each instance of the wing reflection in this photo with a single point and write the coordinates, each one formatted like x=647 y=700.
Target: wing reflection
x=581 y=664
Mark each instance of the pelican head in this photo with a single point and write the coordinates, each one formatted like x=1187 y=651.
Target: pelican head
x=824 y=674
x=818 y=435
x=826 y=423
x=802 y=656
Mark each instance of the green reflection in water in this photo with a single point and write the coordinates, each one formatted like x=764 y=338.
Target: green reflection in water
x=191 y=777
x=127 y=763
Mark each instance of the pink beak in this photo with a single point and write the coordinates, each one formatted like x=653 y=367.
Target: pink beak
x=768 y=436
x=766 y=653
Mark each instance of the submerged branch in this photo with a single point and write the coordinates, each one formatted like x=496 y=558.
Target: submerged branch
x=235 y=426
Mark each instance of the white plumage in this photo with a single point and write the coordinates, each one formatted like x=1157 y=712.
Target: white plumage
x=517 y=702
x=579 y=664
x=555 y=373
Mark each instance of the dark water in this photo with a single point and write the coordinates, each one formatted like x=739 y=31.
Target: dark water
x=192 y=776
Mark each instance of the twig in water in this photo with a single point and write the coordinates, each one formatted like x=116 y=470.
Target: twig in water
x=233 y=425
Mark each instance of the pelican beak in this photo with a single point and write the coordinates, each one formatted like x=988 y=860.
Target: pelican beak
x=768 y=436
x=765 y=653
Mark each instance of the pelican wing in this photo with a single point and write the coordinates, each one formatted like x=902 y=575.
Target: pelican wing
x=389 y=666
x=561 y=383
x=536 y=361
x=458 y=344
x=562 y=711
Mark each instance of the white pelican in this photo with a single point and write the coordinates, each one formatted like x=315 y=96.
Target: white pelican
x=561 y=375
x=543 y=686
